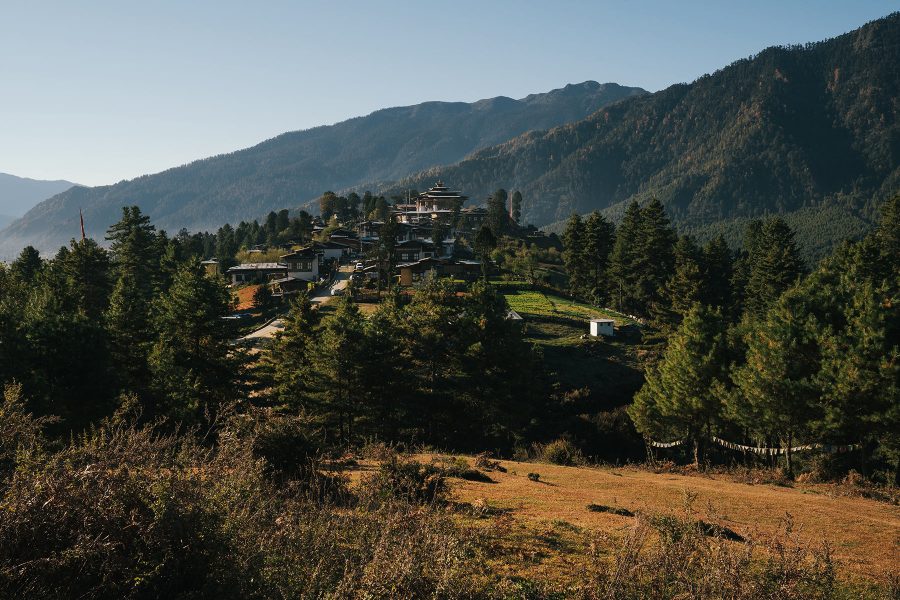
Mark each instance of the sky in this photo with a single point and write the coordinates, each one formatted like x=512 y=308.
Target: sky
x=98 y=91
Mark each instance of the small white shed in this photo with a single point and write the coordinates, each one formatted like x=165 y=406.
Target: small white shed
x=602 y=327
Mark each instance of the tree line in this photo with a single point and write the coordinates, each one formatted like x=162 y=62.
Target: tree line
x=778 y=358
x=438 y=368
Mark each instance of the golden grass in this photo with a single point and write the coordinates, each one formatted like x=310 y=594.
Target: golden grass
x=863 y=533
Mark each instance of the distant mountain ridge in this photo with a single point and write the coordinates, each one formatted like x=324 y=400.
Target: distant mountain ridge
x=18 y=195
x=296 y=167
x=790 y=128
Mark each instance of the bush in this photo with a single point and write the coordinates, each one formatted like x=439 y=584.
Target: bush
x=404 y=479
x=561 y=452
x=693 y=561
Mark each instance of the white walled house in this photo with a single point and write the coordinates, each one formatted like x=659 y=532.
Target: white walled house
x=604 y=327
x=302 y=264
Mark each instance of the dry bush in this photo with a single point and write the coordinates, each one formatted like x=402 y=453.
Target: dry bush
x=485 y=462
x=132 y=513
x=459 y=468
x=561 y=452
x=406 y=480
x=668 y=558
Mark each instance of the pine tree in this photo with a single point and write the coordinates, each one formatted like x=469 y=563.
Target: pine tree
x=655 y=242
x=340 y=351
x=189 y=362
x=517 y=206
x=777 y=395
x=86 y=267
x=677 y=398
x=685 y=287
x=291 y=357
x=574 y=240
x=497 y=217
x=599 y=238
x=385 y=395
x=717 y=268
x=27 y=265
x=485 y=241
x=774 y=262
x=625 y=260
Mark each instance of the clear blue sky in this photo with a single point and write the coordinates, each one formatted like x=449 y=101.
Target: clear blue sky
x=98 y=91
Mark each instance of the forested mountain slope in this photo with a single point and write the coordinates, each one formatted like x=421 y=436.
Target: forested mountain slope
x=296 y=167
x=792 y=127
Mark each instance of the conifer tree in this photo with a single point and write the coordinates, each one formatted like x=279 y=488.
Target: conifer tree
x=599 y=237
x=625 y=260
x=517 y=206
x=27 y=265
x=655 y=242
x=777 y=395
x=86 y=267
x=774 y=262
x=685 y=287
x=717 y=271
x=189 y=361
x=574 y=239
x=678 y=397
x=385 y=396
x=498 y=216
x=340 y=351
x=291 y=357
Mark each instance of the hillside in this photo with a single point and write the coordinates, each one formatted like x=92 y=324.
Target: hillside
x=792 y=127
x=19 y=194
x=859 y=530
x=296 y=167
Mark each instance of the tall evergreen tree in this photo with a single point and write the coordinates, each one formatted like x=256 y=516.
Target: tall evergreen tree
x=685 y=287
x=599 y=238
x=625 y=260
x=677 y=398
x=86 y=267
x=517 y=206
x=656 y=257
x=717 y=269
x=777 y=396
x=498 y=216
x=190 y=363
x=293 y=350
x=27 y=265
x=340 y=351
x=574 y=241
x=775 y=264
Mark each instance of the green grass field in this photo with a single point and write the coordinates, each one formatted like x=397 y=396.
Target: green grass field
x=539 y=304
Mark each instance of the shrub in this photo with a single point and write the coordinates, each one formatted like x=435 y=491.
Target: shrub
x=404 y=479
x=484 y=461
x=624 y=512
x=691 y=561
x=534 y=476
x=561 y=452
x=458 y=467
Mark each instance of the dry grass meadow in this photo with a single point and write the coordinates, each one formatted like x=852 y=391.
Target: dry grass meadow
x=545 y=530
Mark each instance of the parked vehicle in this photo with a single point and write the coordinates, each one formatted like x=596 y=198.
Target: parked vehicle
x=359 y=266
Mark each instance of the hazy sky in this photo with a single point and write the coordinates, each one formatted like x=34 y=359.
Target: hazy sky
x=98 y=91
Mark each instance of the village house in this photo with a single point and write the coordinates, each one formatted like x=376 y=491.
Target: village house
x=410 y=273
x=413 y=250
x=302 y=264
x=256 y=272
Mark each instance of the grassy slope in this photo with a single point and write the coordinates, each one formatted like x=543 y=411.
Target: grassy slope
x=862 y=532
x=610 y=367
